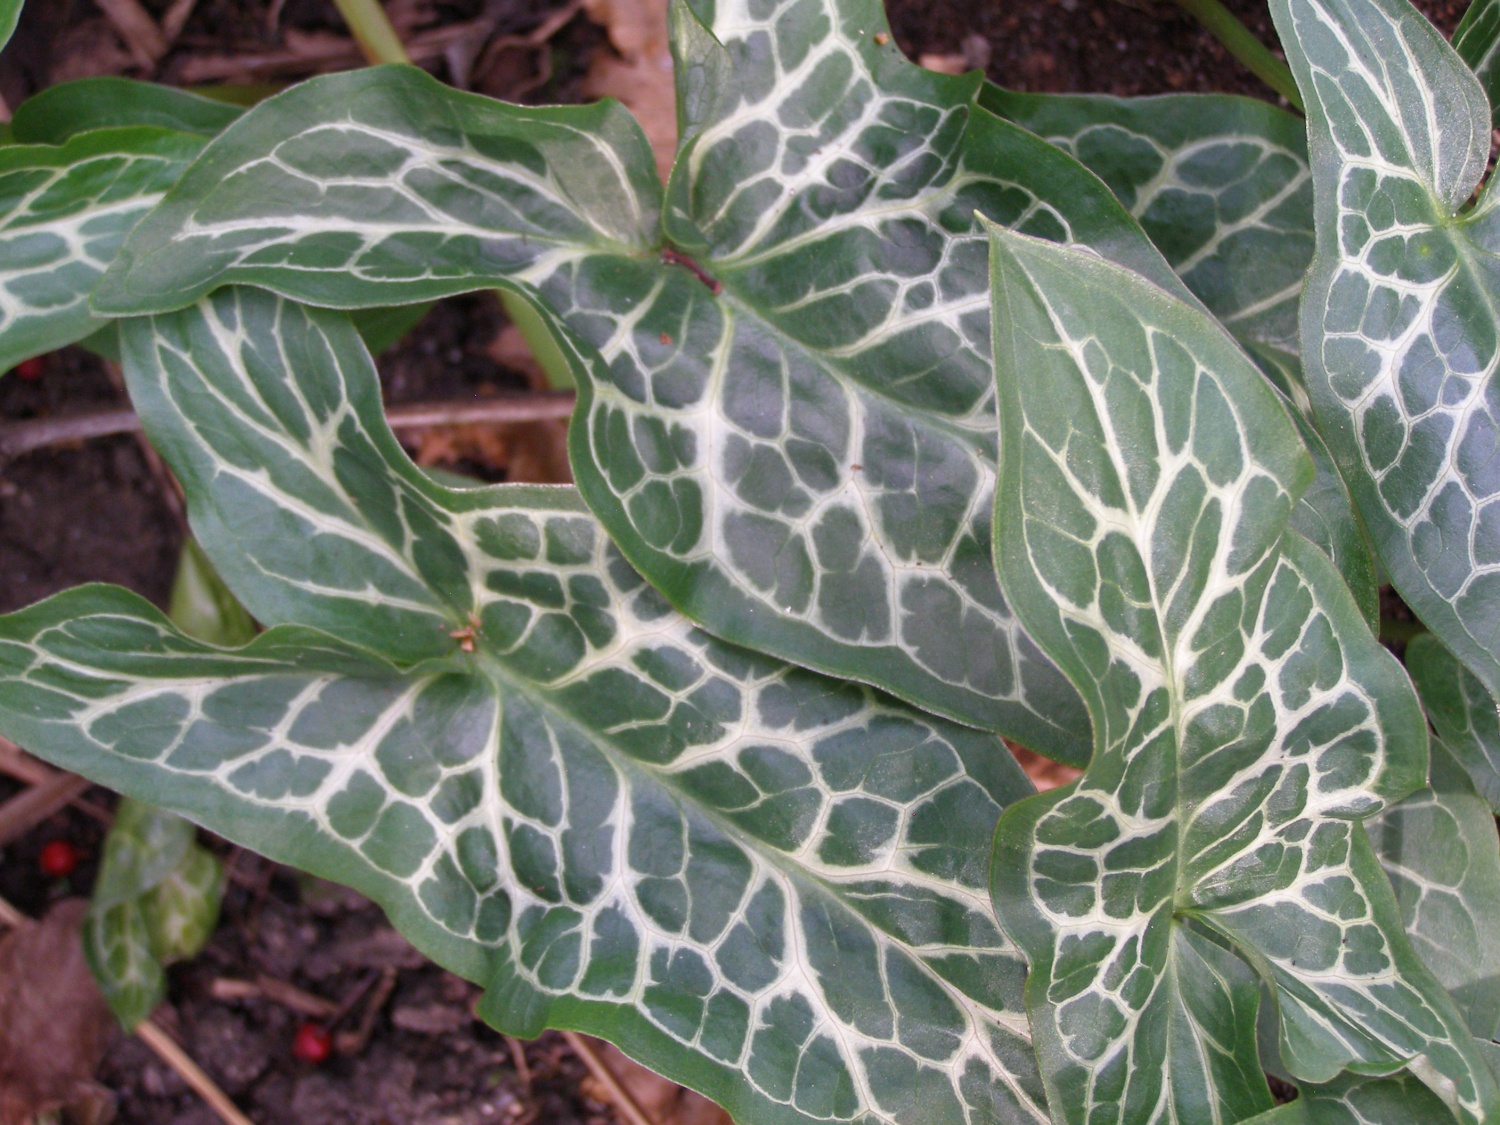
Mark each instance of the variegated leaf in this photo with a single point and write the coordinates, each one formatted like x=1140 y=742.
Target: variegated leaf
x=1466 y=716
x=1400 y=315
x=764 y=883
x=1442 y=856
x=785 y=414
x=1477 y=41
x=64 y=211
x=1354 y=1099
x=1245 y=720
x=1221 y=185
x=156 y=900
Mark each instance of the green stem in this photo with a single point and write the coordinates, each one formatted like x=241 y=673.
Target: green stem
x=1257 y=57
x=553 y=363
x=373 y=31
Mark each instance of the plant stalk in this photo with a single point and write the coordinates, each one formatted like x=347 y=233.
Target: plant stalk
x=23 y=437
x=1222 y=24
x=373 y=32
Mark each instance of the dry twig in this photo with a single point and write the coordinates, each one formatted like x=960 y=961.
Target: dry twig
x=24 y=437
x=27 y=809
x=10 y=917
x=138 y=29
x=169 y=1052
x=629 y=1108
x=278 y=991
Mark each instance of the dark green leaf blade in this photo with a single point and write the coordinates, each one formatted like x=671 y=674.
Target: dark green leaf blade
x=794 y=485
x=1466 y=716
x=1400 y=313
x=1244 y=716
x=382 y=186
x=59 y=113
x=64 y=211
x=1221 y=185
x=1477 y=41
x=10 y=14
x=765 y=883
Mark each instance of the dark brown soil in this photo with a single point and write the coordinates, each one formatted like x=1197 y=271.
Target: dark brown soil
x=96 y=512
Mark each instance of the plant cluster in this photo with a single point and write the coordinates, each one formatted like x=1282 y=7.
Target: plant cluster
x=912 y=413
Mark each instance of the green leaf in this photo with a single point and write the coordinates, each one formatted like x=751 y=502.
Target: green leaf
x=786 y=421
x=387 y=187
x=156 y=900
x=60 y=113
x=1221 y=185
x=1399 y=318
x=764 y=883
x=1355 y=1099
x=10 y=15
x=64 y=211
x=1245 y=719
x=1466 y=716
x=1477 y=41
x=1442 y=856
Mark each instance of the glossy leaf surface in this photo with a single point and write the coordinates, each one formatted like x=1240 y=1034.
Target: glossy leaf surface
x=1477 y=41
x=59 y=113
x=64 y=211
x=1399 y=319
x=1466 y=716
x=795 y=446
x=1221 y=185
x=1441 y=854
x=1245 y=720
x=763 y=883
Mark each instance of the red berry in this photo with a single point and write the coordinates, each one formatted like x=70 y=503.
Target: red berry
x=312 y=1043
x=59 y=859
x=31 y=369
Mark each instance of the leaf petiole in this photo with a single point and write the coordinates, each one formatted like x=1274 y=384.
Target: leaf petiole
x=1224 y=26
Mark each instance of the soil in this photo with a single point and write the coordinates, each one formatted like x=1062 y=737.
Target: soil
x=98 y=511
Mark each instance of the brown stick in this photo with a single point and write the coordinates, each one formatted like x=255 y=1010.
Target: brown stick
x=625 y=1102
x=24 y=437
x=174 y=1056
x=16 y=763
x=25 y=811
x=278 y=991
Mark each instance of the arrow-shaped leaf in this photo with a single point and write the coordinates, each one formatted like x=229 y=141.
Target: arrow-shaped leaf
x=1244 y=718
x=1466 y=716
x=1400 y=315
x=1221 y=185
x=64 y=211
x=785 y=413
x=766 y=884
